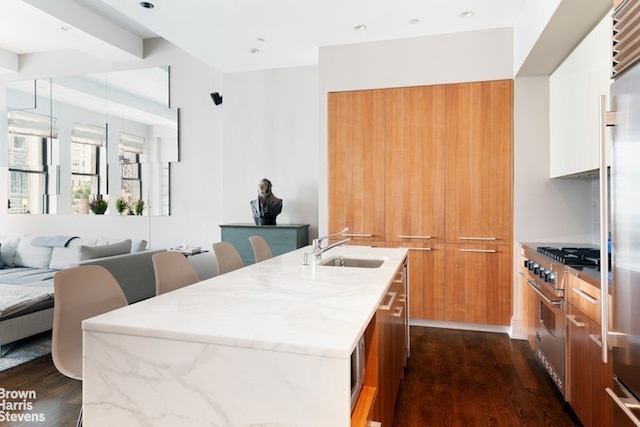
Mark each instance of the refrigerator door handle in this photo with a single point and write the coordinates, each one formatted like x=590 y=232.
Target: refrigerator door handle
x=606 y=119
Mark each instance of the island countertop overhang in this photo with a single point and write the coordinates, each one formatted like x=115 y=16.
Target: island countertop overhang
x=276 y=305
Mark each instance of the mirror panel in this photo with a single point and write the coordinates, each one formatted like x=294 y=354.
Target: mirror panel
x=109 y=135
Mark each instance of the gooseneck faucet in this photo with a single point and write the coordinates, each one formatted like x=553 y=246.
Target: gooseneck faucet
x=318 y=250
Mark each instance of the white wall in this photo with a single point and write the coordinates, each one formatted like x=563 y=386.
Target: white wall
x=271 y=131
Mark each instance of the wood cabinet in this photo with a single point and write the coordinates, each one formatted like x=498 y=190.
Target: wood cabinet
x=440 y=158
x=479 y=171
x=386 y=343
x=357 y=164
x=414 y=164
x=587 y=375
x=479 y=285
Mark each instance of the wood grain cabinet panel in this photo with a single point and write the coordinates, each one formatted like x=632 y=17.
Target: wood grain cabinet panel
x=414 y=164
x=356 y=163
x=479 y=284
x=425 y=167
x=479 y=166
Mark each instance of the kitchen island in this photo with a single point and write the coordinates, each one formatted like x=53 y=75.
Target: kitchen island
x=267 y=345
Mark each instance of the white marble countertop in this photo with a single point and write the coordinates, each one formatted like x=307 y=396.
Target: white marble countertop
x=277 y=305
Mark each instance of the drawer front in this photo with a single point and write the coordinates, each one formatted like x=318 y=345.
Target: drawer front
x=584 y=296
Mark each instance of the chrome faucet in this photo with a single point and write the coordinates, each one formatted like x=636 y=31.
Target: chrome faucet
x=318 y=250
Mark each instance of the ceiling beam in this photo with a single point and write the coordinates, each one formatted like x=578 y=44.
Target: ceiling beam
x=108 y=40
x=8 y=62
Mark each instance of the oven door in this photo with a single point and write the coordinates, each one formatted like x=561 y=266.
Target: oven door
x=550 y=334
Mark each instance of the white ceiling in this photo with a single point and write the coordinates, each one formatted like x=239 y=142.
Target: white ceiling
x=223 y=33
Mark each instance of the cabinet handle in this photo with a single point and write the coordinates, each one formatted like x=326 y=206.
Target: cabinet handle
x=476 y=238
x=585 y=295
x=420 y=249
x=626 y=404
x=402 y=236
x=392 y=298
x=398 y=312
x=573 y=320
x=357 y=235
x=595 y=339
x=484 y=251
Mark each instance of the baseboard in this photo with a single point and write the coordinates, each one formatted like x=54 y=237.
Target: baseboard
x=462 y=326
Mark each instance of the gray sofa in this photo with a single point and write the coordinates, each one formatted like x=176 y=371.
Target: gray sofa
x=28 y=264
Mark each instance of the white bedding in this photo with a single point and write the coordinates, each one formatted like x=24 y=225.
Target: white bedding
x=15 y=298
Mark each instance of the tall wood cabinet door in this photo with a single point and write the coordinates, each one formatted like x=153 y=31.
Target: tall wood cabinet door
x=479 y=284
x=356 y=163
x=479 y=199
x=415 y=150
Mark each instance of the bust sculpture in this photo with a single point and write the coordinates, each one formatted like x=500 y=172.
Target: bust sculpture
x=266 y=206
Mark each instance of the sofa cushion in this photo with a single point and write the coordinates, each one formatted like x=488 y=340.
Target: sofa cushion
x=138 y=245
x=28 y=255
x=8 y=246
x=69 y=256
x=101 y=251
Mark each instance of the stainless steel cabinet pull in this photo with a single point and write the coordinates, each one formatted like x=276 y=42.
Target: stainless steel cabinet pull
x=420 y=249
x=484 y=251
x=543 y=296
x=398 y=312
x=357 y=235
x=626 y=404
x=392 y=298
x=595 y=339
x=402 y=236
x=573 y=320
x=585 y=295
x=476 y=238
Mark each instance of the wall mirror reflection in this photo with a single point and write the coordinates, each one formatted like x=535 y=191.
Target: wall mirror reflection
x=78 y=145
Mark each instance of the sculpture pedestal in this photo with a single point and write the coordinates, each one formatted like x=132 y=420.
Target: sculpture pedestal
x=281 y=238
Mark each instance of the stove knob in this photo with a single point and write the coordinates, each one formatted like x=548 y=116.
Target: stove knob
x=542 y=273
x=526 y=263
x=551 y=277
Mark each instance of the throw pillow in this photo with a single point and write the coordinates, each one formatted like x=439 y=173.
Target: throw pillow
x=138 y=245
x=101 y=251
x=8 y=249
x=68 y=257
x=28 y=255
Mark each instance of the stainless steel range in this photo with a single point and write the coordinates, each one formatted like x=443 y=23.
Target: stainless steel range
x=546 y=267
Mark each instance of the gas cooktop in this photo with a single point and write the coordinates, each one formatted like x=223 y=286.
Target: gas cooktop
x=573 y=256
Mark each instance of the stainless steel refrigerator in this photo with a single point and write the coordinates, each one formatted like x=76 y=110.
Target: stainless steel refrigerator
x=624 y=329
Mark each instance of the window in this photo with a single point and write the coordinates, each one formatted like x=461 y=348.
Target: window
x=131 y=147
x=87 y=142
x=30 y=140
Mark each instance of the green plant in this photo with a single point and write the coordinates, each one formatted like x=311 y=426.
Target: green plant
x=98 y=205
x=138 y=206
x=121 y=205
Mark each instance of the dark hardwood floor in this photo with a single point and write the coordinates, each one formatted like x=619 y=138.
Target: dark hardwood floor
x=461 y=378
x=453 y=378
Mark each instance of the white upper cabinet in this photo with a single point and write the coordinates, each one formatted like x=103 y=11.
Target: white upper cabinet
x=574 y=91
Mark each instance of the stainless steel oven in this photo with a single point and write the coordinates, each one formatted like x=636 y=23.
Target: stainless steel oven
x=546 y=278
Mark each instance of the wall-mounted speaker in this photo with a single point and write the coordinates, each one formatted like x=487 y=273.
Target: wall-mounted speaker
x=217 y=98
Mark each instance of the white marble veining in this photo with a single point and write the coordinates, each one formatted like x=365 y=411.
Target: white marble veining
x=266 y=345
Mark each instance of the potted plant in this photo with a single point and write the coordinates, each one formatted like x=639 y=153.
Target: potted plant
x=98 y=205
x=121 y=205
x=138 y=206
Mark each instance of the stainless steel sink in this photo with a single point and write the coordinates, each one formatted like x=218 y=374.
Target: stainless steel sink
x=338 y=261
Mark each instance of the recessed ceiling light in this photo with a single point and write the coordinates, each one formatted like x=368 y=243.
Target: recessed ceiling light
x=466 y=14
x=414 y=21
x=259 y=40
x=66 y=28
x=147 y=5
x=360 y=27
x=254 y=50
